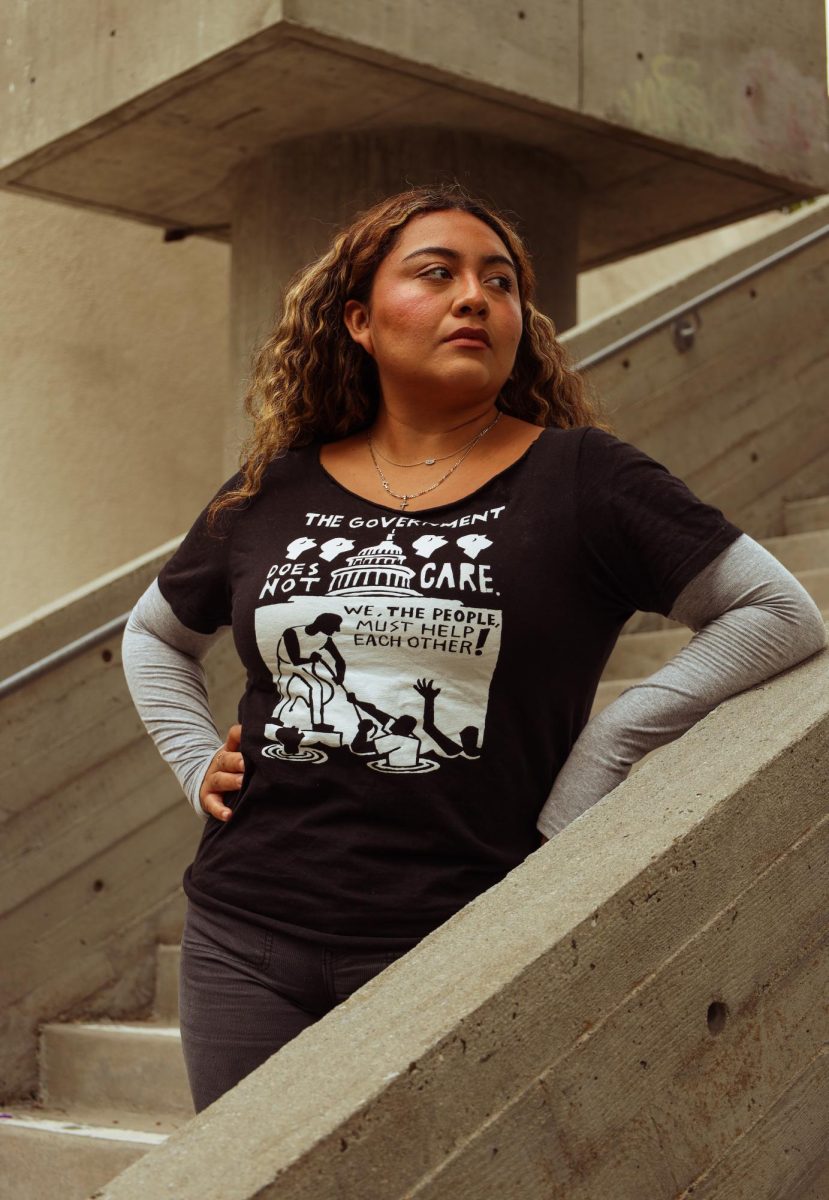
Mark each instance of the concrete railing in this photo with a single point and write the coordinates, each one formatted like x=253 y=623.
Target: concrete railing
x=740 y=414
x=638 y=1010
x=94 y=831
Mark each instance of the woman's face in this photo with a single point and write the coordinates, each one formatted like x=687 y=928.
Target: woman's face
x=447 y=271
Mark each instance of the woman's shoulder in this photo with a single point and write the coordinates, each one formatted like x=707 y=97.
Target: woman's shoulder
x=591 y=457
x=279 y=475
x=284 y=470
x=555 y=440
x=603 y=451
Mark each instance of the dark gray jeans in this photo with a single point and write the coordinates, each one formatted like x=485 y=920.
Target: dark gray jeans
x=245 y=991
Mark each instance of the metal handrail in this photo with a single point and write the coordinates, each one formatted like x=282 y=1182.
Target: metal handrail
x=711 y=293
x=117 y=624
x=56 y=659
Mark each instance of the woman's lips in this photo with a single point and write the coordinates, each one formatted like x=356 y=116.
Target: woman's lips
x=473 y=343
x=469 y=335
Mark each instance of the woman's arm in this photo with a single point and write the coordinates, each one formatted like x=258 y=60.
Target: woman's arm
x=162 y=663
x=753 y=619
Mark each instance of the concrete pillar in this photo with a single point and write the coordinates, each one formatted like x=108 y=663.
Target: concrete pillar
x=289 y=202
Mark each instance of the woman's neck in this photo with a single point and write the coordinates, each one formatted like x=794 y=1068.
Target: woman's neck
x=410 y=435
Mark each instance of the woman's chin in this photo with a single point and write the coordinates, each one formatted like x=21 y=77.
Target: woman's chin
x=463 y=376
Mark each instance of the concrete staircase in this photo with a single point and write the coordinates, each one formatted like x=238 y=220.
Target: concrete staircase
x=649 y=640
x=111 y=1091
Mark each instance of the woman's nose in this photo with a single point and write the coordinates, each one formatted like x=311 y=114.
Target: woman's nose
x=471 y=297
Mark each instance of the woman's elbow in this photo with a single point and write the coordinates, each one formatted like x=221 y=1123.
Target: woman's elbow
x=817 y=632
x=807 y=627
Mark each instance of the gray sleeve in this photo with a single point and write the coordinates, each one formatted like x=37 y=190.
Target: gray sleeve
x=162 y=663
x=752 y=619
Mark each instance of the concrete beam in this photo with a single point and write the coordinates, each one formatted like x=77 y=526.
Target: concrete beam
x=675 y=124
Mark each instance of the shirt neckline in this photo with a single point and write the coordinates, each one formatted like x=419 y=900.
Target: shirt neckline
x=438 y=508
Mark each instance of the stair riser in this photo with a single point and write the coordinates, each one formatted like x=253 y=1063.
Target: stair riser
x=166 y=984
x=95 y=1067
x=37 y=1165
x=808 y=551
x=801 y=516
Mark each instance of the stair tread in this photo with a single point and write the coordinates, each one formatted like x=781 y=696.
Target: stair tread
x=144 y=1028
x=51 y=1151
x=110 y=1125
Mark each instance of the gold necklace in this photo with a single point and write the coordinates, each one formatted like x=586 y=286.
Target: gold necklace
x=407 y=496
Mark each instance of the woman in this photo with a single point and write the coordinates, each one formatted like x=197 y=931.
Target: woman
x=426 y=559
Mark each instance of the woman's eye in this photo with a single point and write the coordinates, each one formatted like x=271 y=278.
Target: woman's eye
x=505 y=282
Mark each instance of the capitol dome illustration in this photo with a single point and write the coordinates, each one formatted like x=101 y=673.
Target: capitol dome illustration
x=377 y=571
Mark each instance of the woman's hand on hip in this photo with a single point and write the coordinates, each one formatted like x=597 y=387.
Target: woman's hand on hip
x=224 y=774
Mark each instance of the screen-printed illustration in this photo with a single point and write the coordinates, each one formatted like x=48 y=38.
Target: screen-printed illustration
x=370 y=659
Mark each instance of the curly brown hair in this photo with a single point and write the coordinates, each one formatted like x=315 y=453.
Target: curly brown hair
x=311 y=381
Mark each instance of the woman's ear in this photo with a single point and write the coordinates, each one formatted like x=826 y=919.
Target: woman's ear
x=357 y=322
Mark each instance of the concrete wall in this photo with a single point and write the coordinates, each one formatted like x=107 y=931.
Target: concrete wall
x=619 y=283
x=94 y=834
x=638 y=1010
x=741 y=416
x=114 y=380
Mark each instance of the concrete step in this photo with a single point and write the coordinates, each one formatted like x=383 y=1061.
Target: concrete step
x=800 y=516
x=640 y=653
x=816 y=584
x=113 y=1091
x=46 y=1153
x=805 y=551
x=608 y=691
x=647 y=622
x=166 y=984
x=636 y=655
x=102 y=1065
x=815 y=581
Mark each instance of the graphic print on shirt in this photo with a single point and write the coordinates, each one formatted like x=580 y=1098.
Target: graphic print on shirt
x=378 y=656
